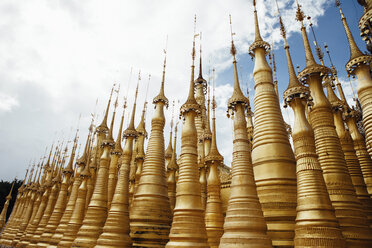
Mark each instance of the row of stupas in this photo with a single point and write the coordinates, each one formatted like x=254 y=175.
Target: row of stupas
x=316 y=194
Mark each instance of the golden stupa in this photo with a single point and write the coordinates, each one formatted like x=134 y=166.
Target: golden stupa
x=133 y=192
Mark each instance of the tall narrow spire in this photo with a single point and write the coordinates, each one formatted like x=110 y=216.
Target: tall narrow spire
x=293 y=81
x=114 y=162
x=169 y=150
x=213 y=214
x=61 y=203
x=244 y=223
x=191 y=104
x=171 y=173
x=161 y=96
x=5 y=207
x=150 y=216
x=237 y=96
x=188 y=227
x=276 y=190
x=274 y=70
x=333 y=163
x=257 y=34
x=317 y=229
x=103 y=126
x=111 y=129
x=96 y=213
x=354 y=49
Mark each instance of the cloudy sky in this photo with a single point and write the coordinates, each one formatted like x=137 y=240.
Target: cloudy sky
x=58 y=57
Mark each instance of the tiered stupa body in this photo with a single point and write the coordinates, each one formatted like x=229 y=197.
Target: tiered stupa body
x=359 y=65
x=140 y=154
x=171 y=173
x=52 y=199
x=5 y=208
x=96 y=212
x=316 y=223
x=272 y=157
x=350 y=115
x=78 y=213
x=116 y=229
x=244 y=223
x=116 y=153
x=10 y=231
x=39 y=209
x=13 y=216
x=214 y=218
x=188 y=227
x=200 y=85
x=347 y=145
x=150 y=216
x=62 y=226
x=61 y=203
x=351 y=217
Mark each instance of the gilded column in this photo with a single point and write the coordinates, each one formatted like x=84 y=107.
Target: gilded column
x=359 y=65
x=169 y=150
x=316 y=223
x=244 y=222
x=116 y=229
x=43 y=191
x=150 y=216
x=96 y=212
x=346 y=141
x=273 y=160
x=52 y=199
x=188 y=226
x=11 y=227
x=115 y=155
x=62 y=226
x=351 y=115
x=213 y=214
x=61 y=203
x=78 y=213
x=171 y=173
x=140 y=155
x=349 y=212
x=28 y=210
x=5 y=208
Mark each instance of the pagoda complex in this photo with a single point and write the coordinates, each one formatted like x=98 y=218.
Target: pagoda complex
x=305 y=185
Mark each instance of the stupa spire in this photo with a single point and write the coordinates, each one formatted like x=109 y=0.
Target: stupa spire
x=115 y=232
x=237 y=96
x=140 y=142
x=333 y=164
x=169 y=150
x=318 y=228
x=300 y=16
x=111 y=129
x=150 y=213
x=213 y=214
x=186 y=231
x=103 y=126
x=268 y=116
x=359 y=65
x=171 y=172
x=96 y=212
x=274 y=70
x=257 y=34
x=77 y=216
x=354 y=49
x=61 y=202
x=293 y=81
x=5 y=207
x=239 y=231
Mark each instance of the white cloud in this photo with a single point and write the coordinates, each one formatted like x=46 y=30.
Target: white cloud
x=7 y=103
